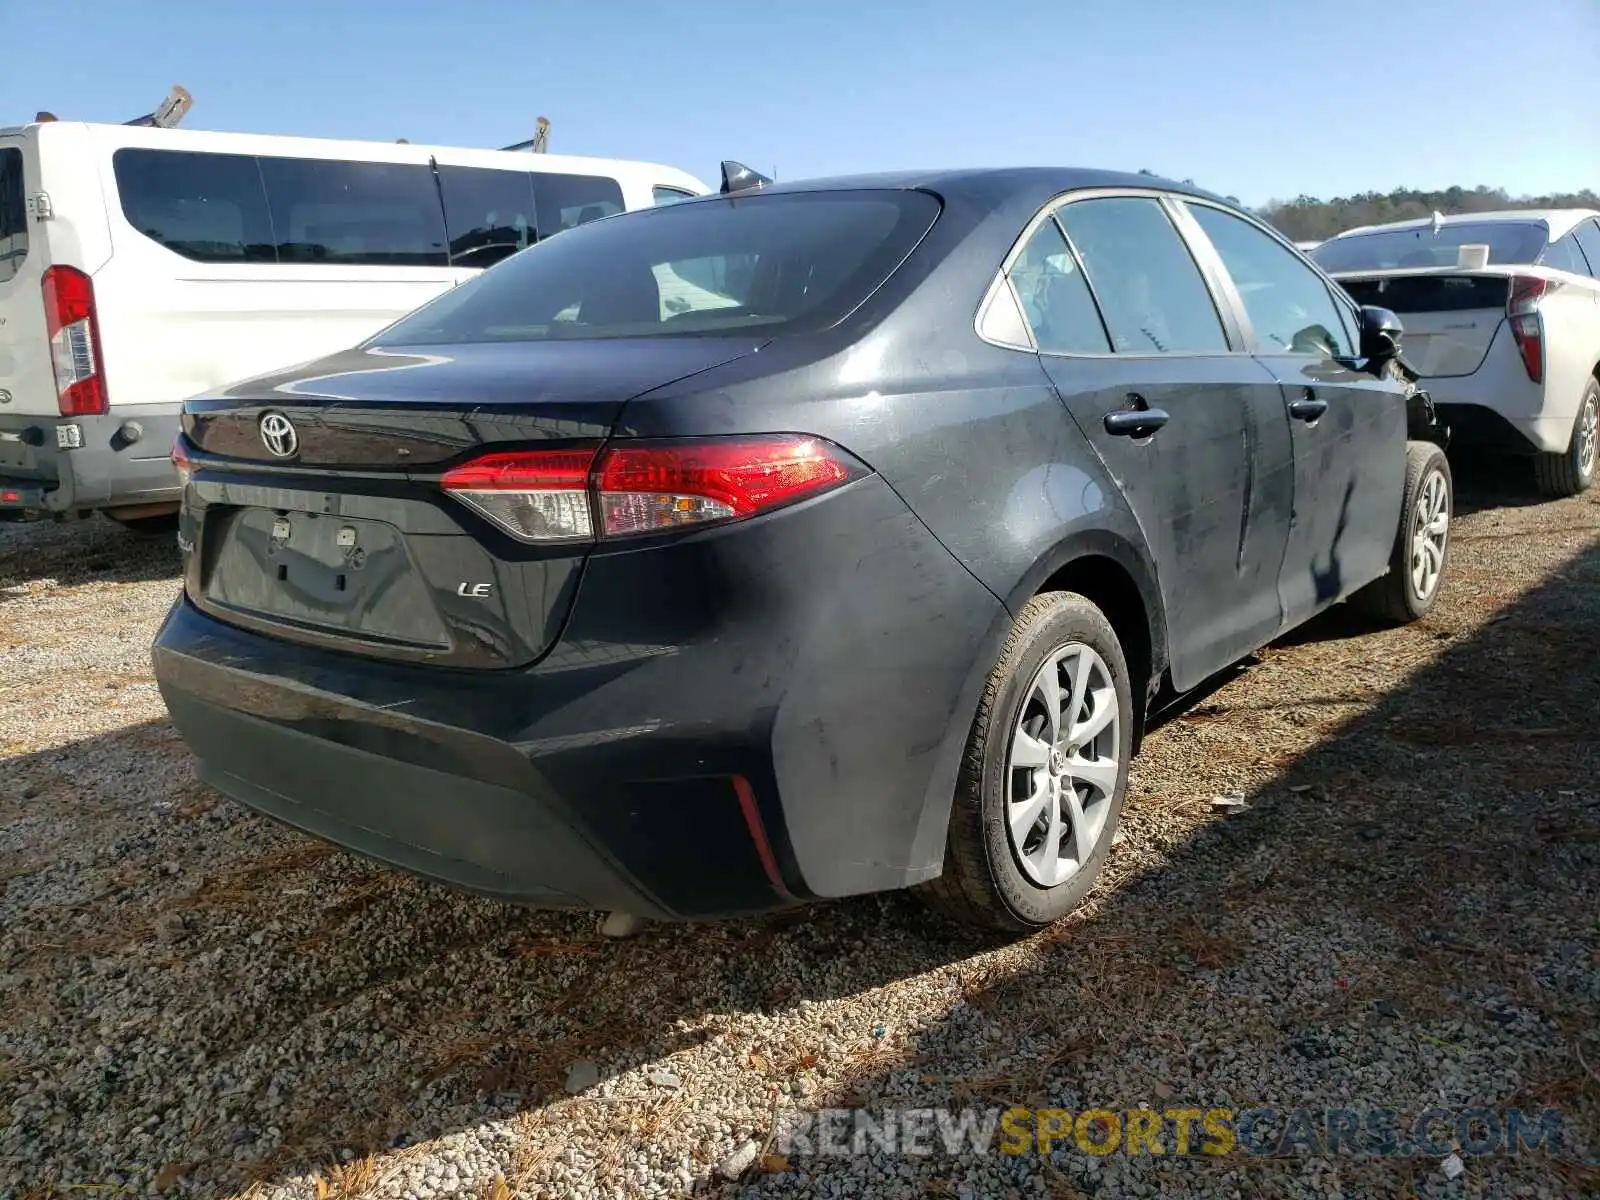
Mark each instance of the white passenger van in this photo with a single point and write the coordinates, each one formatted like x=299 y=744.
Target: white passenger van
x=141 y=265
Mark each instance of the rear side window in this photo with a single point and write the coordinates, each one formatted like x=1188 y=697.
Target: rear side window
x=773 y=263
x=566 y=201
x=489 y=213
x=1152 y=295
x=1588 y=235
x=354 y=213
x=1289 y=306
x=1564 y=255
x=13 y=213
x=1055 y=299
x=662 y=194
x=206 y=207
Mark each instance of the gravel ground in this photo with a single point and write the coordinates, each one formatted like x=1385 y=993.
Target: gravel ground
x=1404 y=914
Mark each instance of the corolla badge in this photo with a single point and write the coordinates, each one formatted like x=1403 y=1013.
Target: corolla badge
x=278 y=435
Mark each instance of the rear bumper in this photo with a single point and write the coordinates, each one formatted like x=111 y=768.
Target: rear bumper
x=731 y=722
x=121 y=462
x=1498 y=406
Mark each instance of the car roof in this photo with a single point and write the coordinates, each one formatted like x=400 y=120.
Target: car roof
x=1559 y=221
x=1043 y=181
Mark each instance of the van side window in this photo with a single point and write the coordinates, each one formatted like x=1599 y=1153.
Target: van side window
x=568 y=200
x=354 y=213
x=206 y=207
x=13 y=214
x=489 y=213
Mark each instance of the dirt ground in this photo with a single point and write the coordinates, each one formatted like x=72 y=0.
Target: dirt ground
x=1406 y=913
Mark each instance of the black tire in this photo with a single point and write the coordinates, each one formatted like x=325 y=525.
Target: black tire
x=1567 y=473
x=1395 y=597
x=151 y=527
x=983 y=883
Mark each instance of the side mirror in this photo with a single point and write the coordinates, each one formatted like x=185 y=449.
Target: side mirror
x=1380 y=334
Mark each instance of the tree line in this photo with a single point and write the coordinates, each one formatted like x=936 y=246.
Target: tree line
x=1308 y=219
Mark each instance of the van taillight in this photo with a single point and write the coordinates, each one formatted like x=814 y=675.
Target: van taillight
x=1527 y=326
x=74 y=342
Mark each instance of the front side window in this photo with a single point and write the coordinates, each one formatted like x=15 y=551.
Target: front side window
x=1055 y=299
x=354 y=213
x=1420 y=246
x=1152 y=295
x=1287 y=302
x=567 y=201
x=489 y=213
x=773 y=263
x=13 y=213
x=1588 y=235
x=206 y=207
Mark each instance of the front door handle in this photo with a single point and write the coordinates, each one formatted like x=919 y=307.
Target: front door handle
x=1135 y=422
x=1308 y=409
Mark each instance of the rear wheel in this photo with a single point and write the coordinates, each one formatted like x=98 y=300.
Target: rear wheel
x=1572 y=470
x=1422 y=546
x=1042 y=784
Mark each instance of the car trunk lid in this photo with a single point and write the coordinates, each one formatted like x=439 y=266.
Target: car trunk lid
x=1450 y=316
x=315 y=512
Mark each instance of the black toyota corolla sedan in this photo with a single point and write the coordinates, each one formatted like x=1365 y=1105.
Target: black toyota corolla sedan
x=798 y=541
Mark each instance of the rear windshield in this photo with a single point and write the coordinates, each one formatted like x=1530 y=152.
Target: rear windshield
x=13 y=213
x=776 y=263
x=1508 y=242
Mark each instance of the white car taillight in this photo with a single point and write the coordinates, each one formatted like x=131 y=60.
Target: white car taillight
x=1527 y=326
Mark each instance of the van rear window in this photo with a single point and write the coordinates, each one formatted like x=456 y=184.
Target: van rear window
x=13 y=214
x=242 y=208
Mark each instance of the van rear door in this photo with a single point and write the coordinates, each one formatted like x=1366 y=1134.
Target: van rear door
x=27 y=381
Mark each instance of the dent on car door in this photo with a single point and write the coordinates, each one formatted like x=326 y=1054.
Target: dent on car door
x=1125 y=324
x=1348 y=426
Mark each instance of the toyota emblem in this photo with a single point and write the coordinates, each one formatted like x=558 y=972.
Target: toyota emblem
x=278 y=435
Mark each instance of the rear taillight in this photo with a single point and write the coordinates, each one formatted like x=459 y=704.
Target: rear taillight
x=180 y=460
x=1527 y=326
x=74 y=342
x=630 y=490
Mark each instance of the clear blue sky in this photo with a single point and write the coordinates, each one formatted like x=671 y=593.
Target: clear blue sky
x=1258 y=98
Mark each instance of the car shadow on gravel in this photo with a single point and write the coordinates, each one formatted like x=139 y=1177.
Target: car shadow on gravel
x=200 y=999
x=1402 y=917
x=70 y=553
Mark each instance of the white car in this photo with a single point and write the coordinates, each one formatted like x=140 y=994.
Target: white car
x=1502 y=320
x=141 y=265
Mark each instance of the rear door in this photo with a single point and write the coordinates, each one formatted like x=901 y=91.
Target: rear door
x=1205 y=484
x=1348 y=427
x=27 y=381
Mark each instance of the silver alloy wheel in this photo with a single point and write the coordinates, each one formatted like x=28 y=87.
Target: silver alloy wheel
x=1588 y=436
x=1062 y=771
x=1430 y=529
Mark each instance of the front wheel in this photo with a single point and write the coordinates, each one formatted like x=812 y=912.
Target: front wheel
x=1041 y=787
x=1572 y=470
x=1422 y=546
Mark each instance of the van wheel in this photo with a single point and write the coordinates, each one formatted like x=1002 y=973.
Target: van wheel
x=1572 y=471
x=157 y=526
x=1041 y=787
x=1422 y=546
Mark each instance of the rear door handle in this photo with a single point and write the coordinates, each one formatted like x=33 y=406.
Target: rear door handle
x=1307 y=410
x=1135 y=422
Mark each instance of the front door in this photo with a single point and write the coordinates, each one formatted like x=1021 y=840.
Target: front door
x=1348 y=427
